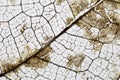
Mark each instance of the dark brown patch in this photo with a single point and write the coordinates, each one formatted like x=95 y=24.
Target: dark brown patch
x=10 y=64
x=41 y=60
x=27 y=52
x=75 y=8
x=69 y=20
x=45 y=52
x=117 y=76
x=78 y=5
x=36 y=63
x=96 y=45
x=23 y=28
x=6 y=66
x=58 y=2
x=75 y=60
x=112 y=4
x=47 y=38
x=107 y=22
x=108 y=31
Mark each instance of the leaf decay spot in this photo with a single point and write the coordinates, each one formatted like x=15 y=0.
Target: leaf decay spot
x=75 y=9
x=6 y=66
x=26 y=52
x=75 y=61
x=47 y=38
x=69 y=20
x=117 y=76
x=45 y=52
x=99 y=27
x=58 y=2
x=78 y=5
x=36 y=63
x=96 y=46
x=23 y=28
x=40 y=60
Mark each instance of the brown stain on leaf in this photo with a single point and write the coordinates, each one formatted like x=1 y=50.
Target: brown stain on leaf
x=115 y=18
x=99 y=19
x=100 y=9
x=36 y=63
x=40 y=60
x=105 y=35
x=45 y=51
x=47 y=38
x=117 y=76
x=96 y=45
x=79 y=5
x=23 y=28
x=58 y=2
x=75 y=8
x=69 y=20
x=27 y=52
x=75 y=61
x=112 y=4
x=22 y=31
x=113 y=0
x=108 y=34
x=6 y=66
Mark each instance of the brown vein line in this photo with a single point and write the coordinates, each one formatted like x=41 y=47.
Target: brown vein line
x=80 y=15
